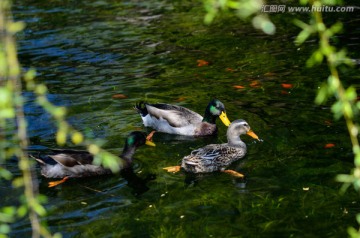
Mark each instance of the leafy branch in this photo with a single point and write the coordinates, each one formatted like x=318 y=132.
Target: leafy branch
x=346 y=104
x=244 y=9
x=13 y=130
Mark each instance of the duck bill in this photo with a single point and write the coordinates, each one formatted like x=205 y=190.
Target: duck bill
x=150 y=143
x=224 y=119
x=252 y=134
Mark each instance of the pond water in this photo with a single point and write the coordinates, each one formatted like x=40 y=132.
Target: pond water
x=88 y=51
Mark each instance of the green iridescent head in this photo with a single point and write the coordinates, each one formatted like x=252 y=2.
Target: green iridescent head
x=136 y=139
x=216 y=109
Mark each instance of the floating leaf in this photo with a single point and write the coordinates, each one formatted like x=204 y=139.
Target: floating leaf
x=329 y=145
x=287 y=85
x=255 y=84
x=201 y=63
x=238 y=86
x=180 y=99
x=119 y=96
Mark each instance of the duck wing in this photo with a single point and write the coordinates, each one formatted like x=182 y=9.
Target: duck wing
x=176 y=116
x=212 y=157
x=71 y=158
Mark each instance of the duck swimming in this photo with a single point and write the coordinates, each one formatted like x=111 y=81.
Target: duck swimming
x=216 y=157
x=179 y=120
x=69 y=163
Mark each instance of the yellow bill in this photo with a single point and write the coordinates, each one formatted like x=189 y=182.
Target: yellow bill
x=224 y=118
x=150 y=143
x=252 y=134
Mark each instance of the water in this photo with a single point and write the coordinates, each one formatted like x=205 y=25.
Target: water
x=88 y=51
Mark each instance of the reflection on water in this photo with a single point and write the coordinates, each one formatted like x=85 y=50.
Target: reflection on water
x=88 y=51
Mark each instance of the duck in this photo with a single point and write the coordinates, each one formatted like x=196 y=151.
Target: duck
x=216 y=157
x=69 y=163
x=174 y=119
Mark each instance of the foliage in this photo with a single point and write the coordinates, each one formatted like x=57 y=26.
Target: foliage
x=243 y=9
x=346 y=104
x=13 y=129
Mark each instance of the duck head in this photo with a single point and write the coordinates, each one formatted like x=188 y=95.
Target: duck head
x=240 y=127
x=214 y=110
x=134 y=140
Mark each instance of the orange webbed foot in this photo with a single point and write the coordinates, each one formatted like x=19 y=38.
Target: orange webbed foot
x=234 y=173
x=173 y=169
x=55 y=183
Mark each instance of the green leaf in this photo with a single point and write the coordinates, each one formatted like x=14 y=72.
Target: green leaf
x=42 y=198
x=301 y=24
x=347 y=110
x=6 y=174
x=4 y=229
x=322 y=94
x=333 y=83
x=15 y=27
x=316 y=58
x=22 y=210
x=7 y=214
x=263 y=23
x=350 y=93
x=234 y=4
x=61 y=136
x=336 y=108
x=39 y=209
x=357 y=160
x=332 y=2
x=336 y=28
x=111 y=161
x=357 y=184
x=18 y=182
x=57 y=235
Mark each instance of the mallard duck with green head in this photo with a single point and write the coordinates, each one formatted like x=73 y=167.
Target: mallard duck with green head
x=68 y=163
x=216 y=157
x=179 y=120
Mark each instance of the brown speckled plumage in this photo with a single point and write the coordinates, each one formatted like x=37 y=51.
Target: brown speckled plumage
x=216 y=157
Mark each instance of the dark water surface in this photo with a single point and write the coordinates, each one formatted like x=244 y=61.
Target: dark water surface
x=88 y=51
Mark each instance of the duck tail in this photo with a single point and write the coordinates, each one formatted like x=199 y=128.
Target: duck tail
x=141 y=108
x=38 y=159
x=43 y=159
